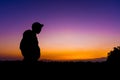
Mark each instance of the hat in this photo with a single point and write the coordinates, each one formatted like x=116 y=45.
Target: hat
x=37 y=24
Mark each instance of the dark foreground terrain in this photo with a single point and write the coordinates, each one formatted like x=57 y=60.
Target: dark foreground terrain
x=49 y=67
x=54 y=65
x=58 y=69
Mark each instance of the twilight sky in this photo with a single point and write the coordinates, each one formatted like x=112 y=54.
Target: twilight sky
x=73 y=29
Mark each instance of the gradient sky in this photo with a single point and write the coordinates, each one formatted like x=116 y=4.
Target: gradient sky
x=73 y=29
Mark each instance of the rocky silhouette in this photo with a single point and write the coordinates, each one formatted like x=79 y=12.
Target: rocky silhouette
x=29 y=43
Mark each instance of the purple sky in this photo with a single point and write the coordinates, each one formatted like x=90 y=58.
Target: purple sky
x=97 y=21
x=94 y=14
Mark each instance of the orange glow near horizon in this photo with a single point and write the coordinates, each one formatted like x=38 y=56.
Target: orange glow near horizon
x=60 y=55
x=76 y=55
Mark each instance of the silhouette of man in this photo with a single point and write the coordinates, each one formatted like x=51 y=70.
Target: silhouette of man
x=29 y=43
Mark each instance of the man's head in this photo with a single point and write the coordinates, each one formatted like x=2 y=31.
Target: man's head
x=36 y=27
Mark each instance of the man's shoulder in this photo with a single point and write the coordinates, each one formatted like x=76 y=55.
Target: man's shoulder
x=27 y=32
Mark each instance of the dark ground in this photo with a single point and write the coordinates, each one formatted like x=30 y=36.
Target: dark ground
x=58 y=70
x=41 y=65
